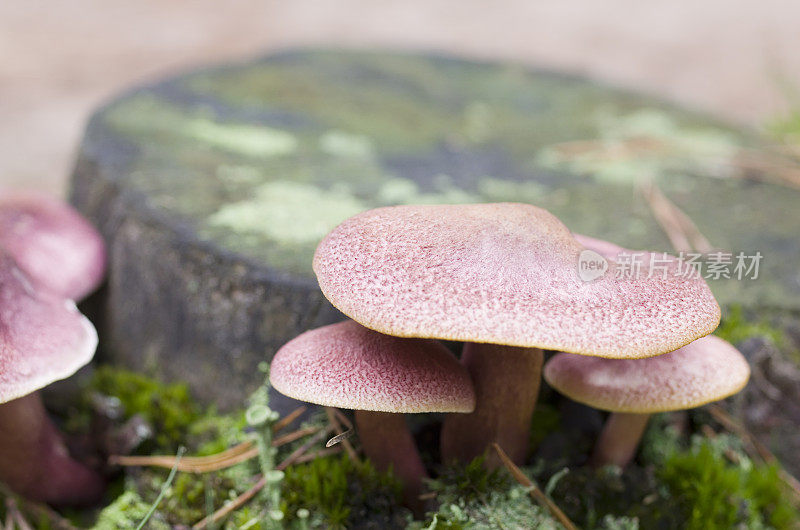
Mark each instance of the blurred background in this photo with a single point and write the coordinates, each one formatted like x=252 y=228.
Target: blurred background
x=739 y=59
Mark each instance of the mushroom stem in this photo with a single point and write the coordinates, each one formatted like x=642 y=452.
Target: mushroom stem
x=619 y=439
x=506 y=380
x=34 y=461
x=388 y=443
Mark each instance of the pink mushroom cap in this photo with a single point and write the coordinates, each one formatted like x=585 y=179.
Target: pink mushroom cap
x=349 y=366
x=52 y=243
x=703 y=371
x=43 y=337
x=501 y=273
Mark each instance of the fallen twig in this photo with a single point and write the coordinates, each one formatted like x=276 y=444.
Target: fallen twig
x=205 y=464
x=336 y=420
x=245 y=497
x=536 y=494
x=308 y=457
x=196 y=464
x=14 y=518
x=776 y=164
x=771 y=166
x=35 y=510
x=679 y=227
x=344 y=420
x=289 y=418
x=20 y=521
x=292 y=436
x=300 y=451
x=235 y=504
x=755 y=449
x=709 y=433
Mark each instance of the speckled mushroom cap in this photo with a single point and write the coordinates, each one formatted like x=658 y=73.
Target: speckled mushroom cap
x=501 y=273
x=347 y=365
x=705 y=370
x=52 y=243
x=43 y=337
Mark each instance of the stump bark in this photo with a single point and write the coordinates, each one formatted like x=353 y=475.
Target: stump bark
x=213 y=188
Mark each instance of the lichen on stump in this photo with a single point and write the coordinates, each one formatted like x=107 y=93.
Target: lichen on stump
x=213 y=188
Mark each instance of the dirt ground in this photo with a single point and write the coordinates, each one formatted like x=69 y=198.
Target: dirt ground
x=60 y=59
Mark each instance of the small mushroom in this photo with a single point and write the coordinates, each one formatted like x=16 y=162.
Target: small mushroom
x=504 y=279
x=381 y=377
x=703 y=371
x=43 y=338
x=52 y=243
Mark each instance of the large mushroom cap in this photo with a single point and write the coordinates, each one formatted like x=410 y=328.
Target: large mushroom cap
x=706 y=370
x=347 y=365
x=52 y=243
x=501 y=273
x=43 y=337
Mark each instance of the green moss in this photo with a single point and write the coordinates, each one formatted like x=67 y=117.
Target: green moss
x=126 y=512
x=684 y=485
x=694 y=487
x=346 y=145
x=342 y=494
x=470 y=497
x=261 y=142
x=714 y=493
x=248 y=140
x=646 y=144
x=471 y=481
x=660 y=440
x=167 y=407
x=391 y=114
x=735 y=327
x=505 y=509
x=214 y=433
x=289 y=212
x=589 y=495
x=185 y=502
x=612 y=522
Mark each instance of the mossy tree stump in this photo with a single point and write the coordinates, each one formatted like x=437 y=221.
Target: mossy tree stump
x=213 y=188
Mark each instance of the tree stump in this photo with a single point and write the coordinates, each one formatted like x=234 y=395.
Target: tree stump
x=213 y=188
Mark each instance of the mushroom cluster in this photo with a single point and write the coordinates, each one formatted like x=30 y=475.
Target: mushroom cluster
x=504 y=280
x=49 y=257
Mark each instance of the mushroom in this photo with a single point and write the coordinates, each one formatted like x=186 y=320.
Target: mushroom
x=504 y=279
x=705 y=370
x=52 y=243
x=43 y=339
x=380 y=377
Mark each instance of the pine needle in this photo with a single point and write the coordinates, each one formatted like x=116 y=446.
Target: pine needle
x=164 y=489
x=336 y=421
x=536 y=494
x=295 y=435
x=300 y=451
x=35 y=510
x=205 y=464
x=188 y=463
x=245 y=497
x=322 y=453
x=232 y=506
x=755 y=449
x=289 y=418
x=677 y=225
